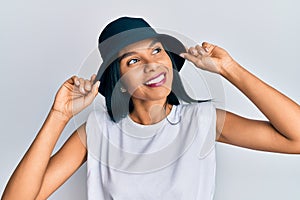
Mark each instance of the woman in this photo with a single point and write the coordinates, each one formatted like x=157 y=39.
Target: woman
x=147 y=63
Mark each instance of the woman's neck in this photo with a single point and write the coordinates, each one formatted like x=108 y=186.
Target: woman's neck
x=149 y=112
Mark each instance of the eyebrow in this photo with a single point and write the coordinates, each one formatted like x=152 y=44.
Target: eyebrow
x=127 y=54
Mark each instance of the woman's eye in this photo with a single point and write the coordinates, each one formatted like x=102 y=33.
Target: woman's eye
x=156 y=51
x=132 y=61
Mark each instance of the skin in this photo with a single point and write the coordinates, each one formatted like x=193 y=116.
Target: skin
x=146 y=60
x=39 y=174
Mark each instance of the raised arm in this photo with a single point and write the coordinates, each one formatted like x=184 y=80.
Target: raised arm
x=35 y=175
x=280 y=134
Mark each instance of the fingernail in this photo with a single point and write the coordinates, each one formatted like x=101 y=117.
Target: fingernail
x=98 y=83
x=181 y=55
x=206 y=49
x=194 y=52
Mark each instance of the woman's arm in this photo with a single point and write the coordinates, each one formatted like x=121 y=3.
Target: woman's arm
x=27 y=178
x=64 y=163
x=33 y=175
x=280 y=134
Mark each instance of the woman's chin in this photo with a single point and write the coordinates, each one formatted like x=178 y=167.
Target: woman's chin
x=152 y=95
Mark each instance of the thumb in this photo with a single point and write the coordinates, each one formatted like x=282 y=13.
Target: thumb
x=92 y=95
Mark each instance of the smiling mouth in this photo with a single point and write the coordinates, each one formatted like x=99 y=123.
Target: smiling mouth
x=157 y=81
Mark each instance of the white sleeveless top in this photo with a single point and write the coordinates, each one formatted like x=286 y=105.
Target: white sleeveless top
x=173 y=159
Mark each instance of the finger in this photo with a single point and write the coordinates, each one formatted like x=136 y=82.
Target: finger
x=193 y=51
x=91 y=95
x=200 y=50
x=75 y=80
x=95 y=88
x=208 y=47
x=72 y=84
x=71 y=80
x=87 y=85
x=92 y=82
x=93 y=77
x=81 y=85
x=192 y=58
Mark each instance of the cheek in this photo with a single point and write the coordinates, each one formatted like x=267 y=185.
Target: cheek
x=170 y=72
x=131 y=82
x=170 y=80
x=131 y=85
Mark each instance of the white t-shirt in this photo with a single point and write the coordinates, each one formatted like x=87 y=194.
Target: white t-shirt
x=172 y=159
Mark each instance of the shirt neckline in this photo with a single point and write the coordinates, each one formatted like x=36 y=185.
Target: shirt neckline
x=136 y=130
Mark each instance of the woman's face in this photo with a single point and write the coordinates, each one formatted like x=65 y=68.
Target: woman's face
x=146 y=70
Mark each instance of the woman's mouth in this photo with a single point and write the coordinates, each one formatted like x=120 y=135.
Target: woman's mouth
x=156 y=81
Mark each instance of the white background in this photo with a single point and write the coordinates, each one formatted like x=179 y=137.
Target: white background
x=42 y=43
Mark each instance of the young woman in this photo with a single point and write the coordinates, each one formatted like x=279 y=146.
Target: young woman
x=143 y=91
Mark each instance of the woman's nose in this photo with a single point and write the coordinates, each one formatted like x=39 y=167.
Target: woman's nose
x=150 y=67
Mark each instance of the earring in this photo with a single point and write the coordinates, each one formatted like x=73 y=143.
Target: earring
x=123 y=90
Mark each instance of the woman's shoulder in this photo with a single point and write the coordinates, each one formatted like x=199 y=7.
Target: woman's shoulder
x=205 y=105
x=97 y=118
x=201 y=111
x=98 y=114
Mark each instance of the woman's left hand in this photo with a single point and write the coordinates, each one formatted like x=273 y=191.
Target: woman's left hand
x=209 y=57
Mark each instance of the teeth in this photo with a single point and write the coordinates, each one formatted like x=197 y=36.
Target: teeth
x=156 y=80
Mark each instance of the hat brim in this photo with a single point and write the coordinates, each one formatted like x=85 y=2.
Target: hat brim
x=170 y=43
x=174 y=47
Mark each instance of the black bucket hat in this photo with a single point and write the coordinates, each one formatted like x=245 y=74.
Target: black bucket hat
x=127 y=30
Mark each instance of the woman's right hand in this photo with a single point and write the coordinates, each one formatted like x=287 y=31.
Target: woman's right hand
x=75 y=95
x=38 y=174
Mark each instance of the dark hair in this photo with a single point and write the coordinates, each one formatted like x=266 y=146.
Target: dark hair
x=120 y=104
